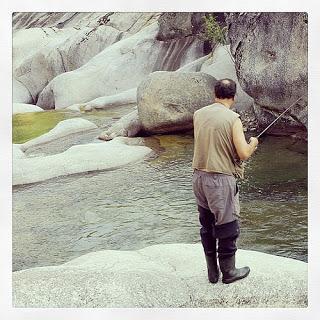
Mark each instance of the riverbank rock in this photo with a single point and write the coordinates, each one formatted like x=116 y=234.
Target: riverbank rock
x=167 y=100
x=63 y=128
x=270 y=51
x=24 y=108
x=127 y=126
x=77 y=159
x=169 y=275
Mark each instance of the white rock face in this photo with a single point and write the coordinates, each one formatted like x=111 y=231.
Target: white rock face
x=57 y=43
x=170 y=275
x=77 y=159
x=117 y=68
x=24 y=108
x=120 y=99
x=63 y=128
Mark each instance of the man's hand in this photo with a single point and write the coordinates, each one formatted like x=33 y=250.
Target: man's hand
x=253 y=141
x=243 y=148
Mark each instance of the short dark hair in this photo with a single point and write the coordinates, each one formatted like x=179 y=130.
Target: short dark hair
x=225 y=89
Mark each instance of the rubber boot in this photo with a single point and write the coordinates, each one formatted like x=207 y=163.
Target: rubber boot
x=229 y=272
x=213 y=270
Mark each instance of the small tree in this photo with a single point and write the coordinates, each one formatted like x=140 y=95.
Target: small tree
x=214 y=33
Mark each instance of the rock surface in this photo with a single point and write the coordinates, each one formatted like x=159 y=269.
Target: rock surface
x=65 y=42
x=270 y=51
x=170 y=275
x=63 y=128
x=20 y=93
x=24 y=108
x=167 y=100
x=77 y=159
x=17 y=153
x=120 y=99
x=127 y=126
x=118 y=68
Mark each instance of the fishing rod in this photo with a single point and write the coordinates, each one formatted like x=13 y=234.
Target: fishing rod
x=278 y=117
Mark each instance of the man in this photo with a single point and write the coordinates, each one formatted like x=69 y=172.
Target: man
x=219 y=148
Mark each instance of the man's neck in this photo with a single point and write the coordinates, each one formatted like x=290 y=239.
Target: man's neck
x=226 y=102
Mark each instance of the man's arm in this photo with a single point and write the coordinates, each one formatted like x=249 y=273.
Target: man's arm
x=244 y=149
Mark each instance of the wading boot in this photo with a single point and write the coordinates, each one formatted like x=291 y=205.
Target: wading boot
x=229 y=272
x=213 y=270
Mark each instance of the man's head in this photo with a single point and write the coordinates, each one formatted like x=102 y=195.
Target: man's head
x=225 y=89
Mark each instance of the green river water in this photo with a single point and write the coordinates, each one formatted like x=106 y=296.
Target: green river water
x=151 y=202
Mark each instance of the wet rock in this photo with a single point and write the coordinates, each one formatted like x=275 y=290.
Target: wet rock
x=167 y=100
x=169 y=275
x=270 y=51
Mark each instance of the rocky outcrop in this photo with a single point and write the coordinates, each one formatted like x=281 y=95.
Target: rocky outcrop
x=163 y=276
x=270 y=51
x=180 y=24
x=62 y=129
x=118 y=68
x=66 y=46
x=68 y=41
x=77 y=159
x=167 y=100
x=24 y=108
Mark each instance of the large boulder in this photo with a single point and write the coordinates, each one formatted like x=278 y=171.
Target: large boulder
x=163 y=276
x=167 y=100
x=270 y=51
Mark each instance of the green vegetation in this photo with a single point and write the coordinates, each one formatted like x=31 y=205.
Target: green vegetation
x=214 y=33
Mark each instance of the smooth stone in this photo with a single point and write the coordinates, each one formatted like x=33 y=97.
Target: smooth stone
x=163 y=276
x=78 y=159
x=24 y=108
x=63 y=128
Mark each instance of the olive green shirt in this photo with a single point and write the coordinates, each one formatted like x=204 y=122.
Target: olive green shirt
x=214 y=150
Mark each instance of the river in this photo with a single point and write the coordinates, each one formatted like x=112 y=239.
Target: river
x=151 y=202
